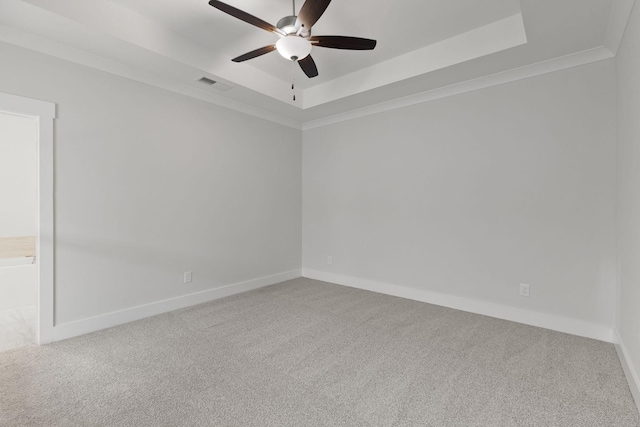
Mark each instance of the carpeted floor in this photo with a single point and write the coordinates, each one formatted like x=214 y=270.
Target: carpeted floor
x=311 y=353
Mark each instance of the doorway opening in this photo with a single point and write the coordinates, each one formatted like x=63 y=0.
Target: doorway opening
x=18 y=230
x=26 y=221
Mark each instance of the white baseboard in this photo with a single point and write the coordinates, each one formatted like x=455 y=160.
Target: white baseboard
x=629 y=371
x=92 y=324
x=543 y=320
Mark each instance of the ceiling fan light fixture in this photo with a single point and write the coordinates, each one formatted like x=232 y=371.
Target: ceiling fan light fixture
x=295 y=31
x=293 y=47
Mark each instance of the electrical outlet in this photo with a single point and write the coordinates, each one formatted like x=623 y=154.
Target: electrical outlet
x=524 y=290
x=187 y=277
x=329 y=260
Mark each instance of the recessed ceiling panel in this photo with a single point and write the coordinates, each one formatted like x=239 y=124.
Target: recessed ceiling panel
x=399 y=27
x=422 y=45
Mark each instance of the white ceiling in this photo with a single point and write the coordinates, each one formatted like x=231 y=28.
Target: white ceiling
x=219 y=32
x=426 y=48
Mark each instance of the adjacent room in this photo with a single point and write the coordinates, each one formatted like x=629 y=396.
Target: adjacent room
x=18 y=192
x=319 y=213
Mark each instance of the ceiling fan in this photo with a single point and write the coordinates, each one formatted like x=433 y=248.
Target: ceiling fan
x=296 y=41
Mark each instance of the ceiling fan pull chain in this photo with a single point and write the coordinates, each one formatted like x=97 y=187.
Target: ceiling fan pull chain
x=293 y=79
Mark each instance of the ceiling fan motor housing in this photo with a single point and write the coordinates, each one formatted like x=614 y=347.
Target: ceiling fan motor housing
x=288 y=25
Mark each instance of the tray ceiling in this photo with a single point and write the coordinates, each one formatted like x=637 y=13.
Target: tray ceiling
x=423 y=46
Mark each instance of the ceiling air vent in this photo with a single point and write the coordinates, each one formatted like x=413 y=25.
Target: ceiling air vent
x=207 y=81
x=214 y=84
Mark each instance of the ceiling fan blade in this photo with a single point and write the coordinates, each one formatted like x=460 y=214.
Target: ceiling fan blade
x=244 y=16
x=343 y=42
x=310 y=12
x=308 y=65
x=255 y=53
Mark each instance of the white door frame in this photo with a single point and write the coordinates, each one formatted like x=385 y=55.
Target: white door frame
x=44 y=113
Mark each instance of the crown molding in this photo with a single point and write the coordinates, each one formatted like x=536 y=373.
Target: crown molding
x=48 y=47
x=51 y=48
x=540 y=68
x=495 y=37
x=105 y=17
x=620 y=13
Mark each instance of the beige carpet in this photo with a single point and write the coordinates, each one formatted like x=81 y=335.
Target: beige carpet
x=311 y=353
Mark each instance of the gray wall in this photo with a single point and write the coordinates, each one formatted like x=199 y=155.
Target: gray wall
x=468 y=196
x=474 y=194
x=628 y=66
x=150 y=184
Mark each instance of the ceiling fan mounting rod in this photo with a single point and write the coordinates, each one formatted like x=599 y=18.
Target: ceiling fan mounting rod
x=294 y=7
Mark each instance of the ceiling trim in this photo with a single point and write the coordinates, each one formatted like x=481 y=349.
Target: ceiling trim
x=620 y=14
x=51 y=48
x=488 y=39
x=140 y=31
x=545 y=67
x=30 y=41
